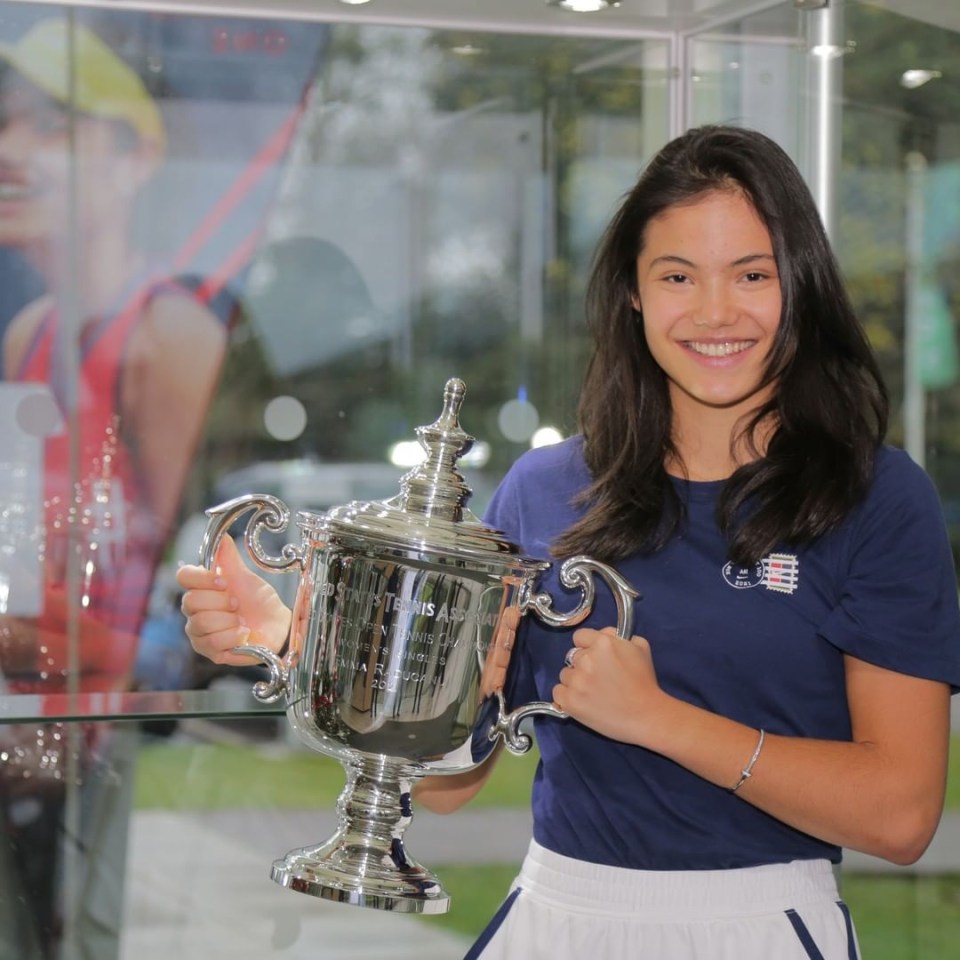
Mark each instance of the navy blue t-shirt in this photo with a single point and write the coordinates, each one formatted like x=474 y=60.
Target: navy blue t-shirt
x=763 y=645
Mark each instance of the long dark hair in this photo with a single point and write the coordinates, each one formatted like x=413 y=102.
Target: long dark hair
x=829 y=405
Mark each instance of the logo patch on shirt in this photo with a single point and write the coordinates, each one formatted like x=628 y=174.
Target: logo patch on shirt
x=781 y=572
x=743 y=578
x=777 y=571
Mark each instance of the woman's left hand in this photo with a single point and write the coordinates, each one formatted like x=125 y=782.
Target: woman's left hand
x=612 y=686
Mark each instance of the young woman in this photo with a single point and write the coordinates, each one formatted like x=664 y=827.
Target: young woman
x=788 y=694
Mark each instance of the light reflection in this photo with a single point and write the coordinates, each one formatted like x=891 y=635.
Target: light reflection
x=546 y=436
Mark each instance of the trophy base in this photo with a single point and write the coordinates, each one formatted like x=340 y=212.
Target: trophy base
x=381 y=882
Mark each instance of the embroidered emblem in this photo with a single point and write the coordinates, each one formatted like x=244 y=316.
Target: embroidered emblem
x=781 y=572
x=743 y=578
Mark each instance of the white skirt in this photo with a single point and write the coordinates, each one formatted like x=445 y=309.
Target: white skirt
x=563 y=908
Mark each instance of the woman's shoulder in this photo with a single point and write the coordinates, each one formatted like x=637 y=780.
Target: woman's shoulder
x=896 y=473
x=900 y=488
x=540 y=489
x=557 y=464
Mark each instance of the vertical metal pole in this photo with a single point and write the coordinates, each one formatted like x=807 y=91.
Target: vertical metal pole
x=825 y=49
x=914 y=397
x=71 y=319
x=679 y=83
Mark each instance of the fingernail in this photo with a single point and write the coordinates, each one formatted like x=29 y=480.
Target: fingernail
x=220 y=582
x=243 y=623
x=244 y=633
x=234 y=603
x=218 y=570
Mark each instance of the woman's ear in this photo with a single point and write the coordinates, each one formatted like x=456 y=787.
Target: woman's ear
x=635 y=302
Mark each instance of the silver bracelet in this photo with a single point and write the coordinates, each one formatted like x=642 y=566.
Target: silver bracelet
x=747 y=771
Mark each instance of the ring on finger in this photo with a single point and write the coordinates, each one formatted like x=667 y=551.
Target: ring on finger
x=570 y=656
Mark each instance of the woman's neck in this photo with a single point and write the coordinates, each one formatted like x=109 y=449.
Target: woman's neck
x=711 y=443
x=93 y=273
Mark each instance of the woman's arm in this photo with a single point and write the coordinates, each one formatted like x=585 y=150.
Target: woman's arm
x=447 y=794
x=882 y=793
x=171 y=373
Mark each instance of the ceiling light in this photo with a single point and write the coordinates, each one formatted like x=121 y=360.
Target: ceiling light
x=354 y=3
x=911 y=79
x=583 y=6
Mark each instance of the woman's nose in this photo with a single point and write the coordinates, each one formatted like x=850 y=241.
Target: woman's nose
x=715 y=308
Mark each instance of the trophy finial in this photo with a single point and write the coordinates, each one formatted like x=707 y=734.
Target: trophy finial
x=436 y=487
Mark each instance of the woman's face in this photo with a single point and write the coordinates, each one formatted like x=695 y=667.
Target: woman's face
x=45 y=165
x=709 y=292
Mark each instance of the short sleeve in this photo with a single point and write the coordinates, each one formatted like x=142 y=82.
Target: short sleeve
x=898 y=605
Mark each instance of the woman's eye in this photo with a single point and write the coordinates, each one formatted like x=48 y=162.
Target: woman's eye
x=754 y=276
x=676 y=278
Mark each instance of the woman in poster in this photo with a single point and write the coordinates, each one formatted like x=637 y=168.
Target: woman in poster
x=128 y=360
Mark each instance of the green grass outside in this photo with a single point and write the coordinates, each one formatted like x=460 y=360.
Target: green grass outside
x=217 y=776
x=953 y=778
x=221 y=776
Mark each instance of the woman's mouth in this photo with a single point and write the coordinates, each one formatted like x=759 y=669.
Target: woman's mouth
x=718 y=348
x=14 y=191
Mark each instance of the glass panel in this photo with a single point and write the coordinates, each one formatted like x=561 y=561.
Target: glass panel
x=899 y=239
x=749 y=71
x=899 y=203
x=335 y=220
x=244 y=256
x=897 y=206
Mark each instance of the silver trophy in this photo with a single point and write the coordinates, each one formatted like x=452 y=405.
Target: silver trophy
x=400 y=641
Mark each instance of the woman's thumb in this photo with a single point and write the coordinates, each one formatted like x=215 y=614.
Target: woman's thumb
x=229 y=561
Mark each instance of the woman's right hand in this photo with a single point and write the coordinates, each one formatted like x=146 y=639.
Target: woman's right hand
x=230 y=605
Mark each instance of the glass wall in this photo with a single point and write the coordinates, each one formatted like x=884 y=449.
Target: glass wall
x=884 y=86
x=244 y=255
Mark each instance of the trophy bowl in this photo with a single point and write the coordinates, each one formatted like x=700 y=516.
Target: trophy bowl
x=402 y=631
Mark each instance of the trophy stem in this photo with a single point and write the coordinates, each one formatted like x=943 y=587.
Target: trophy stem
x=365 y=863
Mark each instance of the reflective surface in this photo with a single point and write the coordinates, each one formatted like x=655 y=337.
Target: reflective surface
x=402 y=633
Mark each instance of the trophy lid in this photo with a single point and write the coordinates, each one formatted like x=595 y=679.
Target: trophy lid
x=429 y=513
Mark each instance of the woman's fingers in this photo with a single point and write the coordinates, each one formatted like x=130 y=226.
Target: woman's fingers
x=192 y=577
x=213 y=633
x=201 y=599
x=253 y=607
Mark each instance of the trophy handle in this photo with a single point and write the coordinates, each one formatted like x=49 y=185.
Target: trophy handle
x=575 y=572
x=274 y=515
x=268 y=691
x=270 y=513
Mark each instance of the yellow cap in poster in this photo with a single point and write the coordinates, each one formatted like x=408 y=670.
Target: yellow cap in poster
x=101 y=85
